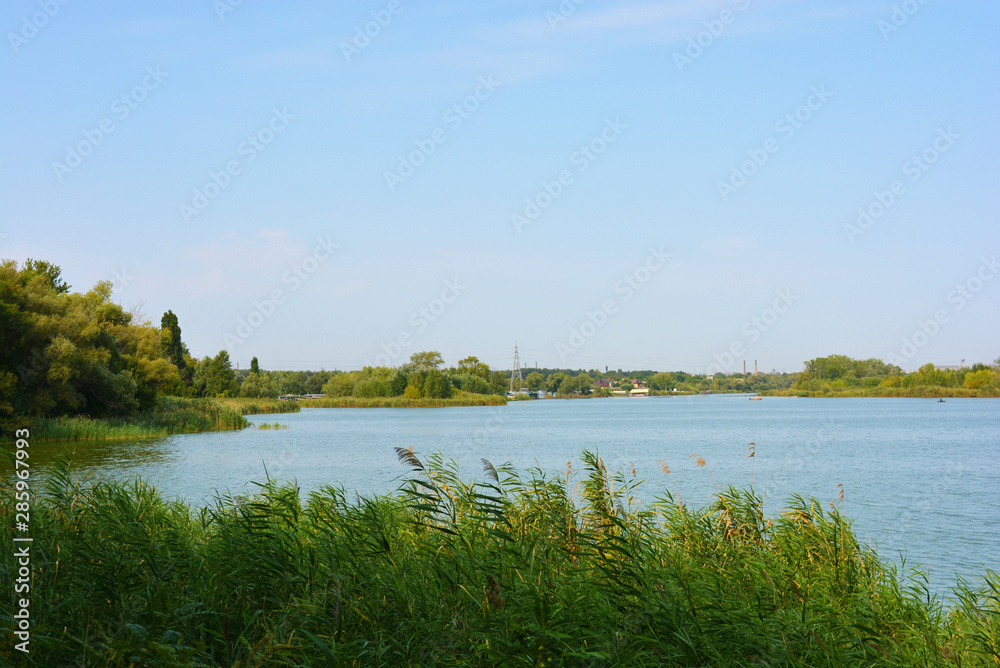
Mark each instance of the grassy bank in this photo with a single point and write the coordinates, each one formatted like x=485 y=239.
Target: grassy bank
x=173 y=415
x=458 y=399
x=511 y=571
x=919 y=391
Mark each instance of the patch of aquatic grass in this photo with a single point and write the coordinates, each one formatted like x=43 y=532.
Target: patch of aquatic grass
x=267 y=425
x=173 y=415
x=515 y=569
x=257 y=406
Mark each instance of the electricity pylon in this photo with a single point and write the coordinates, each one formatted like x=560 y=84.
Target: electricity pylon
x=516 y=372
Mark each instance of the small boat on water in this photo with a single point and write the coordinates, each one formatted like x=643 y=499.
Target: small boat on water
x=755 y=398
x=940 y=401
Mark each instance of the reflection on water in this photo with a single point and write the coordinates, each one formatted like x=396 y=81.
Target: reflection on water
x=101 y=457
x=919 y=477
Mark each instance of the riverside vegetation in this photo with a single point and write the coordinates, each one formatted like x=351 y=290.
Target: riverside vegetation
x=515 y=569
x=79 y=366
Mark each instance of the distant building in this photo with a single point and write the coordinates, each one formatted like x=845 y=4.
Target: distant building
x=639 y=392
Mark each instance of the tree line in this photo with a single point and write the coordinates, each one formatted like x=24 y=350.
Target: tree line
x=80 y=353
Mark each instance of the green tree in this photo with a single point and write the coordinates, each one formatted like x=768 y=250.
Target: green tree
x=535 y=381
x=257 y=385
x=289 y=382
x=553 y=383
x=662 y=381
x=49 y=274
x=316 y=381
x=499 y=382
x=430 y=359
x=436 y=385
x=170 y=333
x=254 y=366
x=472 y=366
x=220 y=379
x=340 y=385
x=584 y=384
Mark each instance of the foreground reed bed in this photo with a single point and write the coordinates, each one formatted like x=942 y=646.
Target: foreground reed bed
x=512 y=570
x=173 y=415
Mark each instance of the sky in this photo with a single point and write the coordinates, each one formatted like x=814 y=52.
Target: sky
x=677 y=185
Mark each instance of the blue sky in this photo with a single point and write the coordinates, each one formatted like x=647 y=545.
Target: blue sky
x=298 y=191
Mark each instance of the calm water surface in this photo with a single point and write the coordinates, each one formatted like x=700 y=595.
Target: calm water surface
x=920 y=478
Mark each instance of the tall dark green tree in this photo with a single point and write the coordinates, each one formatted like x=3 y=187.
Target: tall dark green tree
x=254 y=366
x=173 y=349
x=220 y=379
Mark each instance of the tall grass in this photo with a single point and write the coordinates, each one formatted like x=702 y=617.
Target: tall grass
x=173 y=415
x=915 y=391
x=515 y=569
x=459 y=399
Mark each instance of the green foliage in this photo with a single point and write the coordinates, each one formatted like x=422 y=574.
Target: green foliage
x=510 y=570
x=340 y=385
x=372 y=387
x=429 y=359
x=553 y=383
x=289 y=382
x=41 y=271
x=316 y=381
x=411 y=398
x=663 y=382
x=170 y=337
x=436 y=385
x=984 y=379
x=254 y=366
x=74 y=353
x=220 y=379
x=257 y=385
x=839 y=375
x=473 y=367
x=534 y=381
x=469 y=383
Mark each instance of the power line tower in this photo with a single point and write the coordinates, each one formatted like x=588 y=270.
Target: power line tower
x=516 y=372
